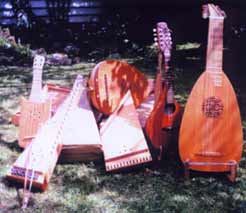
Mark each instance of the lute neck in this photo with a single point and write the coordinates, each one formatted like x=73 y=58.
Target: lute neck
x=215 y=45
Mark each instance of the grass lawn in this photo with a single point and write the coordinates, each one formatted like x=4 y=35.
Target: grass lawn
x=82 y=187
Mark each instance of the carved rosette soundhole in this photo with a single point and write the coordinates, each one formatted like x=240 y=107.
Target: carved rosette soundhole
x=212 y=107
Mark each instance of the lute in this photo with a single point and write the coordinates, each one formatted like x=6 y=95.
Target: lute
x=211 y=132
x=166 y=113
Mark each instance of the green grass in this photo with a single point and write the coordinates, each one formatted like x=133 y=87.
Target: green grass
x=82 y=187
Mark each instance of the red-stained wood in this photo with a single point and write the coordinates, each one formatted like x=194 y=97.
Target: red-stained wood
x=111 y=79
x=166 y=114
x=211 y=131
x=211 y=139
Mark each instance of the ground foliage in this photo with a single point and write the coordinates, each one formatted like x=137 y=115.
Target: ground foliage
x=82 y=187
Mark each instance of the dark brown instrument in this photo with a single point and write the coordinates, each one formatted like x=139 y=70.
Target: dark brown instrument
x=167 y=112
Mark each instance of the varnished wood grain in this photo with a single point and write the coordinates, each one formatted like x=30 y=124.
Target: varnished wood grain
x=111 y=79
x=207 y=139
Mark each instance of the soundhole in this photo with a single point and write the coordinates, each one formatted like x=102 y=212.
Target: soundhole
x=212 y=107
x=169 y=109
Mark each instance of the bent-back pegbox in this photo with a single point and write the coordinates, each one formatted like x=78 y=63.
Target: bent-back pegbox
x=211 y=131
x=111 y=79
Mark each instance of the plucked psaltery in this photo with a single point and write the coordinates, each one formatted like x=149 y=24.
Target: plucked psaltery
x=123 y=141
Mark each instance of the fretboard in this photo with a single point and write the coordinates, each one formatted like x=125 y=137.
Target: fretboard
x=215 y=49
x=36 y=90
x=159 y=77
x=169 y=84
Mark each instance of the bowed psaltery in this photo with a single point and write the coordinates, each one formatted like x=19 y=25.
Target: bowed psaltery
x=211 y=132
x=35 y=165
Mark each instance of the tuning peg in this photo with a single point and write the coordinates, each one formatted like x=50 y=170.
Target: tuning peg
x=155 y=34
x=155 y=43
x=154 y=30
x=155 y=39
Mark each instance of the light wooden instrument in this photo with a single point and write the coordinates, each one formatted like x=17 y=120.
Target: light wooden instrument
x=123 y=141
x=81 y=141
x=55 y=93
x=35 y=111
x=211 y=130
x=35 y=165
x=111 y=79
x=166 y=113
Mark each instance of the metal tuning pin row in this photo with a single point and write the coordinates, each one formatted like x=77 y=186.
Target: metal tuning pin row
x=155 y=37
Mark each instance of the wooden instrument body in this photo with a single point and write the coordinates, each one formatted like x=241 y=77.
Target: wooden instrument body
x=211 y=130
x=123 y=141
x=81 y=140
x=170 y=121
x=111 y=79
x=36 y=164
x=166 y=113
x=55 y=93
x=33 y=116
x=159 y=123
x=42 y=171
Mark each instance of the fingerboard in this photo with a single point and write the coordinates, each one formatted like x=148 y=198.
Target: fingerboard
x=169 y=85
x=36 y=94
x=215 y=50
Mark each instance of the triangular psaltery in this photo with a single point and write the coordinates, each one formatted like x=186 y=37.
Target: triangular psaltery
x=81 y=140
x=36 y=164
x=123 y=141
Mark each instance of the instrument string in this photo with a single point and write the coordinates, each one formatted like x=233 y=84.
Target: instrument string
x=32 y=156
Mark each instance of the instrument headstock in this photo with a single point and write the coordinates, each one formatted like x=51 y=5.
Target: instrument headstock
x=212 y=11
x=164 y=39
x=38 y=62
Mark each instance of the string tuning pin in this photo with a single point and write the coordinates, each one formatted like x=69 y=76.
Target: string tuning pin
x=154 y=30
x=156 y=44
x=155 y=39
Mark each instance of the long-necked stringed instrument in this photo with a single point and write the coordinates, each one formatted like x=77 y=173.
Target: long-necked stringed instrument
x=35 y=111
x=167 y=112
x=211 y=131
